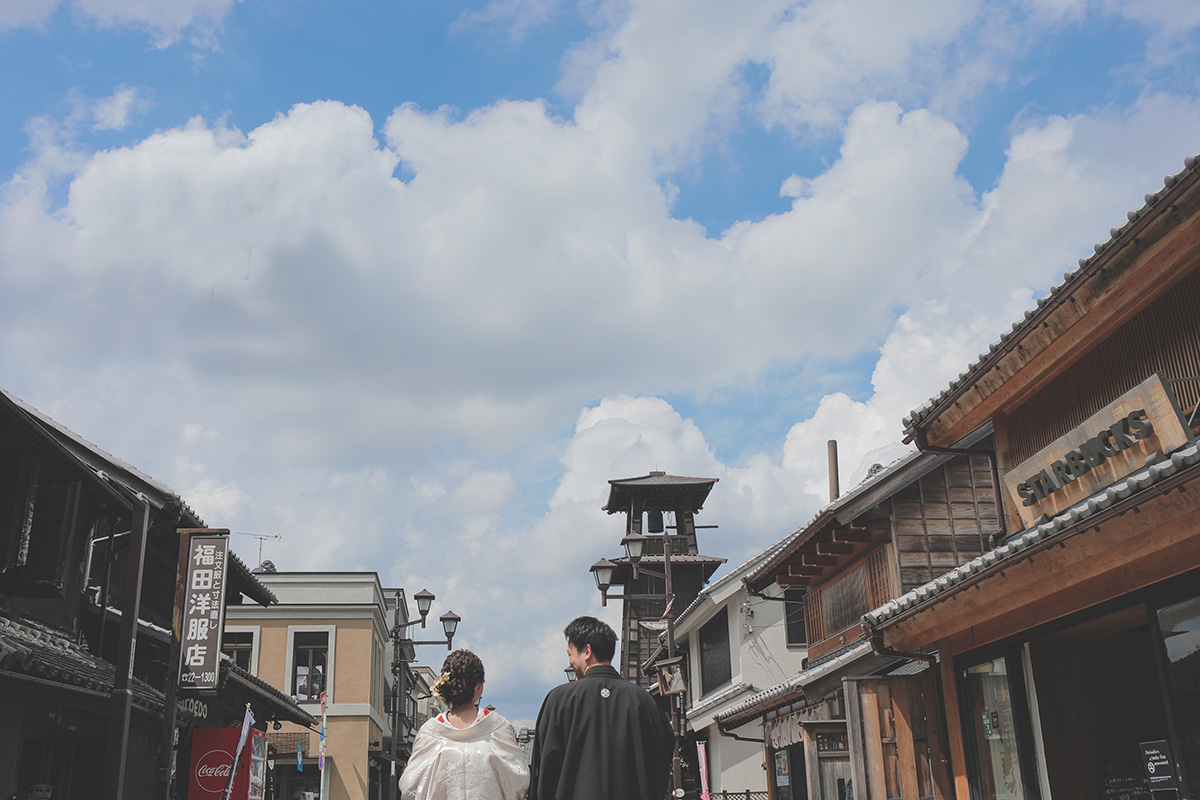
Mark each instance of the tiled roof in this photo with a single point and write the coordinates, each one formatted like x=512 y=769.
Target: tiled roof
x=114 y=472
x=655 y=489
x=914 y=419
x=108 y=467
x=793 y=688
x=784 y=548
x=706 y=703
x=40 y=652
x=283 y=707
x=1066 y=523
x=737 y=572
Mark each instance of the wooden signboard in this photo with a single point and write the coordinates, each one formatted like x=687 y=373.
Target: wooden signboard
x=1111 y=444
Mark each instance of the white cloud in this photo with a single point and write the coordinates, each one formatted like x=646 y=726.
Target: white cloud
x=830 y=56
x=518 y=16
x=206 y=494
x=194 y=432
x=165 y=21
x=116 y=111
x=20 y=13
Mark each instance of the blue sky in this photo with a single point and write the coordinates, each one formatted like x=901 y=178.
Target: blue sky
x=408 y=281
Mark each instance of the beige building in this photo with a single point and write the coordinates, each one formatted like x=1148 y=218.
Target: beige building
x=329 y=632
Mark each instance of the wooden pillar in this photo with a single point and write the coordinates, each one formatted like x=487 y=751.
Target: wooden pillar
x=121 y=702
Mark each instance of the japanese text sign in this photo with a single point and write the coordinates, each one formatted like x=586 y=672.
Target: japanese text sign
x=203 y=612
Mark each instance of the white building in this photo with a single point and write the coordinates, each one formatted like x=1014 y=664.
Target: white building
x=737 y=644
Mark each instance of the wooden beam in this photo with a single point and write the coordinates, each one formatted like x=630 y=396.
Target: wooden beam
x=791 y=580
x=1130 y=277
x=1126 y=553
x=835 y=548
x=854 y=534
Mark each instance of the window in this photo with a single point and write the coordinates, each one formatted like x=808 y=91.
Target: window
x=715 y=669
x=309 y=665
x=793 y=611
x=38 y=516
x=377 y=674
x=239 y=646
x=837 y=606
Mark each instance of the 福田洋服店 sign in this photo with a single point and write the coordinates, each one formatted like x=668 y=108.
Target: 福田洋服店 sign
x=203 y=612
x=1111 y=444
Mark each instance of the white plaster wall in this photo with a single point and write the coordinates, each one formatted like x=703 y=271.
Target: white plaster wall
x=735 y=766
x=764 y=655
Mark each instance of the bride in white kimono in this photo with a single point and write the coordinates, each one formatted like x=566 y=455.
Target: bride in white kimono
x=466 y=753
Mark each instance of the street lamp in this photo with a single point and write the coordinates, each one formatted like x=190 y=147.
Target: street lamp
x=603 y=571
x=404 y=653
x=634 y=545
x=424 y=600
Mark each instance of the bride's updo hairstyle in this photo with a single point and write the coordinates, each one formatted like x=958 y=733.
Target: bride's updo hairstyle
x=462 y=671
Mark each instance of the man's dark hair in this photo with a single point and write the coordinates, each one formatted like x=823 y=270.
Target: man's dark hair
x=590 y=631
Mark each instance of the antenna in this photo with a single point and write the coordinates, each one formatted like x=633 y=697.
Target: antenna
x=262 y=537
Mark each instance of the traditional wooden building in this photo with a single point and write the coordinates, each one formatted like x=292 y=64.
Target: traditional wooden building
x=1069 y=654
x=657 y=498
x=856 y=722
x=88 y=553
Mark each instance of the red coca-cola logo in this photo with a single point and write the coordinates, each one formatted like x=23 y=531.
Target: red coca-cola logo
x=212 y=770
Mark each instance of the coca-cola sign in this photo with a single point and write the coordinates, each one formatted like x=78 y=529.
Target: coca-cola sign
x=212 y=770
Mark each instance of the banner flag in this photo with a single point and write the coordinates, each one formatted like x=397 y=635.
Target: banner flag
x=247 y=724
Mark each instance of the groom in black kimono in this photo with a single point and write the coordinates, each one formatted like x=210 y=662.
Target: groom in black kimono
x=601 y=737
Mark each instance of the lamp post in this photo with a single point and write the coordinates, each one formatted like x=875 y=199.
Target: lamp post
x=403 y=654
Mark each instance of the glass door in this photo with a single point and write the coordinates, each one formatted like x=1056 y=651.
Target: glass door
x=991 y=693
x=1179 y=627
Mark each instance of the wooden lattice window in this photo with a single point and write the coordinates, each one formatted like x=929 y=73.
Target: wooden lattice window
x=794 y=613
x=839 y=604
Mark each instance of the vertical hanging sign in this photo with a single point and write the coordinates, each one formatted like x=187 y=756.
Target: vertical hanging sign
x=203 y=612
x=321 y=754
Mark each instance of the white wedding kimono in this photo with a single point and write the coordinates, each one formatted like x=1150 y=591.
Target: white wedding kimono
x=482 y=762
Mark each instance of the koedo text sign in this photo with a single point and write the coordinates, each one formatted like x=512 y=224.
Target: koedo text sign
x=203 y=612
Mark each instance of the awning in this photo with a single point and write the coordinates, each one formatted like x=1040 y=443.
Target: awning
x=275 y=704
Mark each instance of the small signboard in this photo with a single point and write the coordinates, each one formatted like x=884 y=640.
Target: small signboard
x=1160 y=767
x=671 y=678
x=203 y=612
x=1125 y=787
x=1111 y=444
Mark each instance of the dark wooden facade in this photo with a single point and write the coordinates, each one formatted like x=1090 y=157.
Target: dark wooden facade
x=68 y=579
x=1060 y=651
x=900 y=529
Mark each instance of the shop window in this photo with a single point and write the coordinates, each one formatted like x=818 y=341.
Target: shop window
x=239 y=646
x=310 y=662
x=793 y=611
x=995 y=730
x=1179 y=625
x=715 y=668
